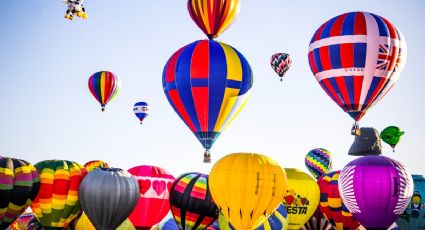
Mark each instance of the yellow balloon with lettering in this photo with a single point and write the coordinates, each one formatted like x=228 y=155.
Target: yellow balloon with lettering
x=247 y=187
x=301 y=198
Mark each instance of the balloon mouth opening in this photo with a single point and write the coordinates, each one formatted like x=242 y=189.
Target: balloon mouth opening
x=111 y=169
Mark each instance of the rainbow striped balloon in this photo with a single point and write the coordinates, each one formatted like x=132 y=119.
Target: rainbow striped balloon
x=56 y=204
x=19 y=185
x=91 y=165
x=213 y=16
x=191 y=203
x=319 y=162
x=104 y=86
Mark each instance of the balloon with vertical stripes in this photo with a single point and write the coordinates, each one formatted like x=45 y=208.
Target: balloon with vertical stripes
x=104 y=86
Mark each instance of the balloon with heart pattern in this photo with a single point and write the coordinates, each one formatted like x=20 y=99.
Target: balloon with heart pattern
x=153 y=205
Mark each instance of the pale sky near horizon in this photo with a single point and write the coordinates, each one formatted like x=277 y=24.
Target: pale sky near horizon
x=47 y=111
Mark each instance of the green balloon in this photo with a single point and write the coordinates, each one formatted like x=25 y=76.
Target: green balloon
x=391 y=135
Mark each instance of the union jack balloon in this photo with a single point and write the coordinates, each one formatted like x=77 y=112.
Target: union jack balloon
x=357 y=57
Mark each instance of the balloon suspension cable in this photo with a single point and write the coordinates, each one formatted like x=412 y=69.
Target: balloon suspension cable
x=355 y=130
x=207 y=156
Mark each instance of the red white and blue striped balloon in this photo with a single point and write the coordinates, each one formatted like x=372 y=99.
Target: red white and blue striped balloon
x=356 y=58
x=141 y=110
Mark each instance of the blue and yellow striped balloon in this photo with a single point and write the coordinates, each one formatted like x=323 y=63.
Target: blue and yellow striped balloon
x=207 y=83
x=318 y=162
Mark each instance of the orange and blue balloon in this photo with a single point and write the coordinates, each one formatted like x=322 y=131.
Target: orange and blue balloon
x=141 y=110
x=104 y=86
x=207 y=83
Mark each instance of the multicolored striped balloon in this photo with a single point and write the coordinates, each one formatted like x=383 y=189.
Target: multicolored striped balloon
x=19 y=185
x=104 y=86
x=213 y=16
x=280 y=63
x=191 y=203
x=357 y=57
x=207 y=83
x=318 y=162
x=94 y=164
x=57 y=202
x=331 y=203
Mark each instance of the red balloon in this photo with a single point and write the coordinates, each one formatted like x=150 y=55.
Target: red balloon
x=153 y=204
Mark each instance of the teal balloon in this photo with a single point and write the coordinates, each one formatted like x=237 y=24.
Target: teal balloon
x=413 y=217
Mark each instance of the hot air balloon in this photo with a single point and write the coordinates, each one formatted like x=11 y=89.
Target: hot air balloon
x=153 y=202
x=366 y=143
x=318 y=162
x=247 y=187
x=207 y=83
x=83 y=223
x=57 y=202
x=104 y=86
x=213 y=16
x=141 y=110
x=22 y=222
x=191 y=203
x=19 y=184
x=376 y=190
x=391 y=135
x=414 y=215
x=276 y=220
x=357 y=57
x=170 y=224
x=317 y=222
x=301 y=198
x=280 y=63
x=331 y=203
x=108 y=196
x=94 y=164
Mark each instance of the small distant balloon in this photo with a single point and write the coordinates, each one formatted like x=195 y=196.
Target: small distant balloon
x=104 y=86
x=318 y=162
x=391 y=135
x=141 y=110
x=280 y=63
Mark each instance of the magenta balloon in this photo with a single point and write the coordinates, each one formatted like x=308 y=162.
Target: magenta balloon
x=376 y=190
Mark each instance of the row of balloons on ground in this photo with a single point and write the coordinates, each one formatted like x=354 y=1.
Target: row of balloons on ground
x=248 y=191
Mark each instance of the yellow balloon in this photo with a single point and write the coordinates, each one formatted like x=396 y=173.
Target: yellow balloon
x=247 y=187
x=84 y=223
x=301 y=198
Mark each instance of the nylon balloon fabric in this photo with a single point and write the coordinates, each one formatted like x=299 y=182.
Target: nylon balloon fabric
x=247 y=187
x=207 y=83
x=153 y=203
x=19 y=185
x=318 y=162
x=376 y=190
x=357 y=57
x=57 y=202
x=104 y=86
x=280 y=63
x=414 y=215
x=108 y=196
x=213 y=16
x=331 y=203
x=94 y=164
x=191 y=203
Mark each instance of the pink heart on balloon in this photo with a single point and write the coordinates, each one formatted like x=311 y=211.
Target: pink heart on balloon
x=159 y=186
x=144 y=186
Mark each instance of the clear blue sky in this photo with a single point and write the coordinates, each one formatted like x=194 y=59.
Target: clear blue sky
x=47 y=111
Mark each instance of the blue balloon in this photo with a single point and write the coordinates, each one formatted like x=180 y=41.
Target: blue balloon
x=141 y=110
